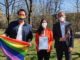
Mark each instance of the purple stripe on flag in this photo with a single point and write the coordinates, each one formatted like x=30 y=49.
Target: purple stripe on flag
x=9 y=54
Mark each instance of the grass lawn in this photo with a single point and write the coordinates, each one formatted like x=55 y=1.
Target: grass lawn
x=31 y=54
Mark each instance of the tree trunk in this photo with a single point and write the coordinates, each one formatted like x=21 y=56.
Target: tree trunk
x=29 y=8
x=7 y=11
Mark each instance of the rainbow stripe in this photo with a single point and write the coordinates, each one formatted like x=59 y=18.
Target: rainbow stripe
x=68 y=35
x=13 y=48
x=21 y=16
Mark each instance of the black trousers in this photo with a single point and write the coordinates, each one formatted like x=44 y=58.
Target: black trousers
x=43 y=54
x=63 y=50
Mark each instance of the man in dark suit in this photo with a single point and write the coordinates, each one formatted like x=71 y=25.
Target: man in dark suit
x=63 y=36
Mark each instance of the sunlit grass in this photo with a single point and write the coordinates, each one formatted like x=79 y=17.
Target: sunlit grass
x=32 y=54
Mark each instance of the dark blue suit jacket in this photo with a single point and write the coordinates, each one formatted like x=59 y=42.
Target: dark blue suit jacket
x=12 y=30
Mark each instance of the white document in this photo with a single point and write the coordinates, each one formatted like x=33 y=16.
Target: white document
x=43 y=43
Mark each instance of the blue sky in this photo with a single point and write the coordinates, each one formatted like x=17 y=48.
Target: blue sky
x=68 y=5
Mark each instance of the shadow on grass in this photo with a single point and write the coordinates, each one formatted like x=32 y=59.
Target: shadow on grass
x=77 y=54
x=33 y=58
x=52 y=56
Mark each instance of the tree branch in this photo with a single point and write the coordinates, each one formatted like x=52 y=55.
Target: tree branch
x=27 y=5
x=2 y=4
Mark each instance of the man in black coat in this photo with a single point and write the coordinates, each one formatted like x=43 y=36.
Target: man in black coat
x=63 y=36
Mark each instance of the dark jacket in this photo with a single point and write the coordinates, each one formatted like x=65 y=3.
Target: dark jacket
x=57 y=35
x=12 y=30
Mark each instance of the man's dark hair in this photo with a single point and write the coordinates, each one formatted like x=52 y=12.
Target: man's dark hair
x=22 y=10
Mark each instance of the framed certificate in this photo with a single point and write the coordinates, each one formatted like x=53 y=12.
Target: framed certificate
x=43 y=43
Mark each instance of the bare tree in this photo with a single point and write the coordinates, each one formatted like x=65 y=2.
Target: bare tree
x=16 y=5
x=49 y=6
x=77 y=5
x=13 y=7
x=7 y=4
x=29 y=8
x=77 y=15
x=57 y=5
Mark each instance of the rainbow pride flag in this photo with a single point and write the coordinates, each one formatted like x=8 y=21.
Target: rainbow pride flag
x=68 y=35
x=14 y=49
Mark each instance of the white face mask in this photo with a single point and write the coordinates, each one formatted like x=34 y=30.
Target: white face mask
x=44 y=25
x=62 y=19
